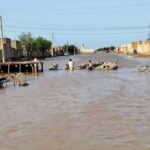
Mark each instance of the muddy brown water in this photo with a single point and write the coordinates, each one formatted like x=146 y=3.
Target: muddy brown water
x=79 y=110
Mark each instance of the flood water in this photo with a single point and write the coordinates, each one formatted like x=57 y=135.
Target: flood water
x=79 y=110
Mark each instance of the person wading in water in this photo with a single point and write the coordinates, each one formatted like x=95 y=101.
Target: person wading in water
x=71 y=64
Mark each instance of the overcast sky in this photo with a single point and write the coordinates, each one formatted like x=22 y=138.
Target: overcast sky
x=96 y=23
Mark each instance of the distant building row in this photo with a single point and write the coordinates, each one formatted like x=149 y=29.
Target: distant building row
x=140 y=47
x=13 y=50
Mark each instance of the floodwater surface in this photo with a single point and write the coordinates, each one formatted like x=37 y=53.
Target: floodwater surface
x=79 y=110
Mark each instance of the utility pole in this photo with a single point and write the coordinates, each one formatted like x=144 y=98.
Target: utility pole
x=148 y=33
x=82 y=47
x=52 y=44
x=2 y=46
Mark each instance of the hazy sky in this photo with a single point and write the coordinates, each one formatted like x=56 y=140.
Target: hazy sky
x=96 y=23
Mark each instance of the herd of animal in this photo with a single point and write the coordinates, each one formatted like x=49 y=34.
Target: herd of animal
x=99 y=66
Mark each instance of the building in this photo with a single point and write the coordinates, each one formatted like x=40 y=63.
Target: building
x=12 y=49
x=56 y=51
x=16 y=47
x=86 y=50
x=140 y=47
x=8 y=52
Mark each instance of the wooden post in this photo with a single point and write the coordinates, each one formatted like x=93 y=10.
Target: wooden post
x=8 y=68
x=19 y=67
x=41 y=66
x=32 y=67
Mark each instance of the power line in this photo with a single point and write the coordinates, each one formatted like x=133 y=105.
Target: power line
x=86 y=33
x=78 y=28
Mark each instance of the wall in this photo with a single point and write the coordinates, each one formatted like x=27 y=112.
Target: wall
x=141 y=47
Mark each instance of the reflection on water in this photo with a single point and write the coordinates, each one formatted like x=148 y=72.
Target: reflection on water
x=79 y=110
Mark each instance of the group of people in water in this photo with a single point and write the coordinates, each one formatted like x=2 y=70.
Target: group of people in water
x=71 y=65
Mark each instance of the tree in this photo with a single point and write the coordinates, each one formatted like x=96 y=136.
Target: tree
x=70 y=49
x=112 y=48
x=42 y=44
x=106 y=49
x=27 y=42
